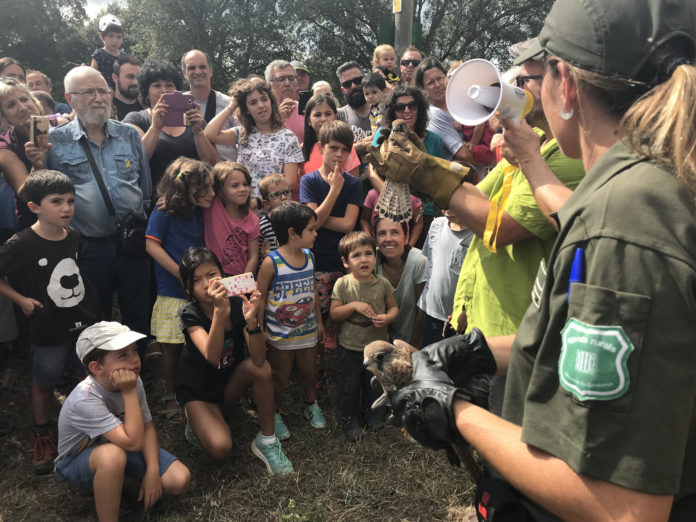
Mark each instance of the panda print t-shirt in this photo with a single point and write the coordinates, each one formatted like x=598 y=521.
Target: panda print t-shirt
x=48 y=271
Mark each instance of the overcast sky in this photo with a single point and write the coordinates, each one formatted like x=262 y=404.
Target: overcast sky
x=94 y=6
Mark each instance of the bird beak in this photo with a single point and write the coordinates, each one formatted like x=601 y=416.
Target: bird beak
x=366 y=364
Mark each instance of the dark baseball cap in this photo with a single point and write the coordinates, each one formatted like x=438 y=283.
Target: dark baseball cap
x=612 y=37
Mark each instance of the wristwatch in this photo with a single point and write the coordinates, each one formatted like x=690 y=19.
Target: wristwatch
x=252 y=331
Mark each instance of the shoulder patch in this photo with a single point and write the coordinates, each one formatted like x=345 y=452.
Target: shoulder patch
x=593 y=361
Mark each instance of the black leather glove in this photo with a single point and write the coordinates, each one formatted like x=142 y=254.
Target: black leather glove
x=461 y=357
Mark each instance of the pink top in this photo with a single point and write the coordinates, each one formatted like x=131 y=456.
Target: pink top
x=371 y=203
x=295 y=123
x=229 y=237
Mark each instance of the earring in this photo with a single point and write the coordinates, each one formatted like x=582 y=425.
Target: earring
x=567 y=115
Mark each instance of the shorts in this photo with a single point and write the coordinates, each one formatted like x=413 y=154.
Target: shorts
x=325 y=282
x=75 y=469
x=48 y=363
x=166 y=324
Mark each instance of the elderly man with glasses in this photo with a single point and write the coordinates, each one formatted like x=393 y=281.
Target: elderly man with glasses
x=283 y=79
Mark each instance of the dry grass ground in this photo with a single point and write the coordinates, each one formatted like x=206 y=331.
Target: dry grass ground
x=382 y=477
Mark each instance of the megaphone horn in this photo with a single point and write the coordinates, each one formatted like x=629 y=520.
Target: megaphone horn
x=476 y=91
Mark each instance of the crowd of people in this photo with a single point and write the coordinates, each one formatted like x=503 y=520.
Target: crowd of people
x=167 y=199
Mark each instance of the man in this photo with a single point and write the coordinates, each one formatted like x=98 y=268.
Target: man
x=281 y=75
x=198 y=71
x=356 y=112
x=409 y=61
x=303 y=78
x=38 y=81
x=120 y=158
x=125 y=76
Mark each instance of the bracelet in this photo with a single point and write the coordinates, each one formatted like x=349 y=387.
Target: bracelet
x=253 y=331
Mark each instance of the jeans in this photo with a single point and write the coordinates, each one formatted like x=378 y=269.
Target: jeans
x=356 y=394
x=129 y=277
x=432 y=330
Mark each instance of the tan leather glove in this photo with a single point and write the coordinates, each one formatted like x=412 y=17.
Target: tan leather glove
x=402 y=158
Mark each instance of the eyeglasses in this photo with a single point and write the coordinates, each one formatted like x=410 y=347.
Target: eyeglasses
x=355 y=81
x=406 y=63
x=93 y=93
x=522 y=80
x=283 y=79
x=401 y=107
x=279 y=194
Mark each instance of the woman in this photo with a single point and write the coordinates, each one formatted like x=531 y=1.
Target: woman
x=11 y=68
x=598 y=417
x=408 y=103
x=404 y=267
x=163 y=143
x=264 y=146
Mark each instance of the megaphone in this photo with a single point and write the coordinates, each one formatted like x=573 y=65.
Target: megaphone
x=476 y=91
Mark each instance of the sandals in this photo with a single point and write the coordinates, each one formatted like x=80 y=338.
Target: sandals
x=173 y=415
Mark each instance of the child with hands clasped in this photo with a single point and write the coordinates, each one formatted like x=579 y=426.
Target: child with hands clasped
x=185 y=188
x=366 y=305
x=113 y=391
x=218 y=330
x=291 y=307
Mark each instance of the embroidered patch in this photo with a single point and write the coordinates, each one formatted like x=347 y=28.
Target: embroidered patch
x=593 y=361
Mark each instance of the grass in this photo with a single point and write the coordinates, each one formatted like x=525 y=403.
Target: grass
x=382 y=477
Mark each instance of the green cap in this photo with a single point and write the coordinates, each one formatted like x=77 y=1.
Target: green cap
x=612 y=37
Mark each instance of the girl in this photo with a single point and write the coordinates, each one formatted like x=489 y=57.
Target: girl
x=231 y=229
x=218 y=330
x=384 y=63
x=185 y=188
x=264 y=146
x=404 y=266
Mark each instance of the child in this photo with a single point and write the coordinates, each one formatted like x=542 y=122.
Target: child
x=218 y=330
x=366 y=304
x=445 y=247
x=290 y=307
x=110 y=403
x=336 y=197
x=322 y=87
x=274 y=190
x=42 y=262
x=374 y=89
x=111 y=33
x=185 y=187
x=231 y=229
x=384 y=62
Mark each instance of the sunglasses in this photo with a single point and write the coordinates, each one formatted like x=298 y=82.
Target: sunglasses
x=279 y=194
x=355 y=81
x=522 y=80
x=401 y=107
x=406 y=63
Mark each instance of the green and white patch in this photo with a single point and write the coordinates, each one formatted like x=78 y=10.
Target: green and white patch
x=593 y=361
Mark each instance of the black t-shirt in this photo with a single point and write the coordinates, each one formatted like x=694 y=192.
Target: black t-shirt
x=198 y=379
x=48 y=271
x=123 y=108
x=168 y=147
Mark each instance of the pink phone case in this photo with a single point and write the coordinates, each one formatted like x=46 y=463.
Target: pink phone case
x=178 y=104
x=239 y=284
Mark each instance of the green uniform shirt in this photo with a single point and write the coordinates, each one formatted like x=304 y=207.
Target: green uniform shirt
x=495 y=287
x=606 y=380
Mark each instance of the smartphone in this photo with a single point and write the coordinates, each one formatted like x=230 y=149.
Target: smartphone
x=178 y=103
x=38 y=131
x=302 y=103
x=239 y=284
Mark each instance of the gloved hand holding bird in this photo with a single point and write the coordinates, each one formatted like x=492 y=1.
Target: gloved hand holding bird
x=420 y=387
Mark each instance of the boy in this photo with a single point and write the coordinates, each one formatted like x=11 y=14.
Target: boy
x=366 y=304
x=291 y=308
x=111 y=33
x=274 y=190
x=42 y=264
x=113 y=391
x=374 y=88
x=336 y=197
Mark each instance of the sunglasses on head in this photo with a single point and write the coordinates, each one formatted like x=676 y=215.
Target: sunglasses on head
x=522 y=80
x=401 y=107
x=355 y=81
x=406 y=63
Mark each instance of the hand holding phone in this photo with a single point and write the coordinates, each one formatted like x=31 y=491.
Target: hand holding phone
x=239 y=284
x=177 y=104
x=302 y=103
x=38 y=131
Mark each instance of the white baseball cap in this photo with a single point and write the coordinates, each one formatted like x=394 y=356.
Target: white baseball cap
x=105 y=335
x=107 y=20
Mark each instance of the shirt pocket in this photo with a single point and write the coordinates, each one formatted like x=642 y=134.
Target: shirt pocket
x=77 y=169
x=126 y=167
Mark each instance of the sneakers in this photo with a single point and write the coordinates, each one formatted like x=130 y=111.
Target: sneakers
x=352 y=430
x=191 y=436
x=272 y=455
x=330 y=339
x=43 y=453
x=315 y=416
x=281 y=430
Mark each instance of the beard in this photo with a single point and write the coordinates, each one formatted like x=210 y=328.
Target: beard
x=356 y=98
x=130 y=93
x=94 y=117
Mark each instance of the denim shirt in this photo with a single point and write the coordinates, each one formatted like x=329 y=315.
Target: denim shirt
x=123 y=165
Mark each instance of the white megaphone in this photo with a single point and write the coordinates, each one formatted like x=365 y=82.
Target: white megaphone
x=476 y=91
